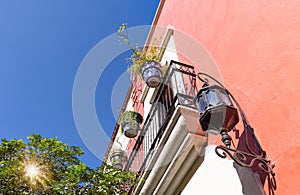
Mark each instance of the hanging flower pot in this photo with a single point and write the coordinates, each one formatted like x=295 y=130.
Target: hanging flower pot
x=118 y=158
x=130 y=123
x=151 y=73
x=130 y=130
x=144 y=59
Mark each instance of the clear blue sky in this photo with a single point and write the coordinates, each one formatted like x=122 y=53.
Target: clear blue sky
x=42 y=44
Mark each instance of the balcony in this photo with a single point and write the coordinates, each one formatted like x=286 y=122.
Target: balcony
x=170 y=146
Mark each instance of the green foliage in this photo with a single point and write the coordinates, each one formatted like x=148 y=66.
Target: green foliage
x=52 y=161
x=107 y=180
x=48 y=166
x=140 y=55
x=130 y=116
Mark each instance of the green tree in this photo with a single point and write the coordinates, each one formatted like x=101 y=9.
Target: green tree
x=48 y=166
x=107 y=180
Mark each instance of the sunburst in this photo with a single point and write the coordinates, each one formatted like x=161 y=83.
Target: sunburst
x=36 y=174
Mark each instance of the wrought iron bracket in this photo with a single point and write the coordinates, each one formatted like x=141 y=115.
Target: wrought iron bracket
x=245 y=159
x=248 y=160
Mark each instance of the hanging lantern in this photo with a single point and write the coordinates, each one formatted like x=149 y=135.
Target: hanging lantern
x=216 y=109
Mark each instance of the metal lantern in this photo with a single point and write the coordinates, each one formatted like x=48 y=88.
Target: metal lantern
x=217 y=112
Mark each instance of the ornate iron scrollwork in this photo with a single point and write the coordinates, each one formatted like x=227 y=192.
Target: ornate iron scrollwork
x=247 y=157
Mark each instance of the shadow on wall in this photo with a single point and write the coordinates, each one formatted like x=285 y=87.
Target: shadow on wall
x=254 y=178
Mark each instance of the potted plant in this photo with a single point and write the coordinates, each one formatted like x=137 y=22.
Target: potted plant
x=144 y=61
x=130 y=123
x=117 y=158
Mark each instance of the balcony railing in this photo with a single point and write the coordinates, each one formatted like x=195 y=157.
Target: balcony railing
x=178 y=88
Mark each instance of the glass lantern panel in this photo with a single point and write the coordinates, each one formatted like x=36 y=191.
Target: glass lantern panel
x=213 y=98
x=225 y=98
x=202 y=104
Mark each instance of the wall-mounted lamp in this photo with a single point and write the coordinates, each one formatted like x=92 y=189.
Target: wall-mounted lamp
x=218 y=115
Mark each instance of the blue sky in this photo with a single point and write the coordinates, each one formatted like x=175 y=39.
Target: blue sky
x=42 y=44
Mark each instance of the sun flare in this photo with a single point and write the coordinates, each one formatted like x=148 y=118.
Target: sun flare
x=36 y=174
x=32 y=171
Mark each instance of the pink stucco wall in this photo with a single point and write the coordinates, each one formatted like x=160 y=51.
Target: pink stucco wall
x=256 y=44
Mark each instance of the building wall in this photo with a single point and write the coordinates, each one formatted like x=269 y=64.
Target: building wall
x=256 y=45
x=214 y=176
